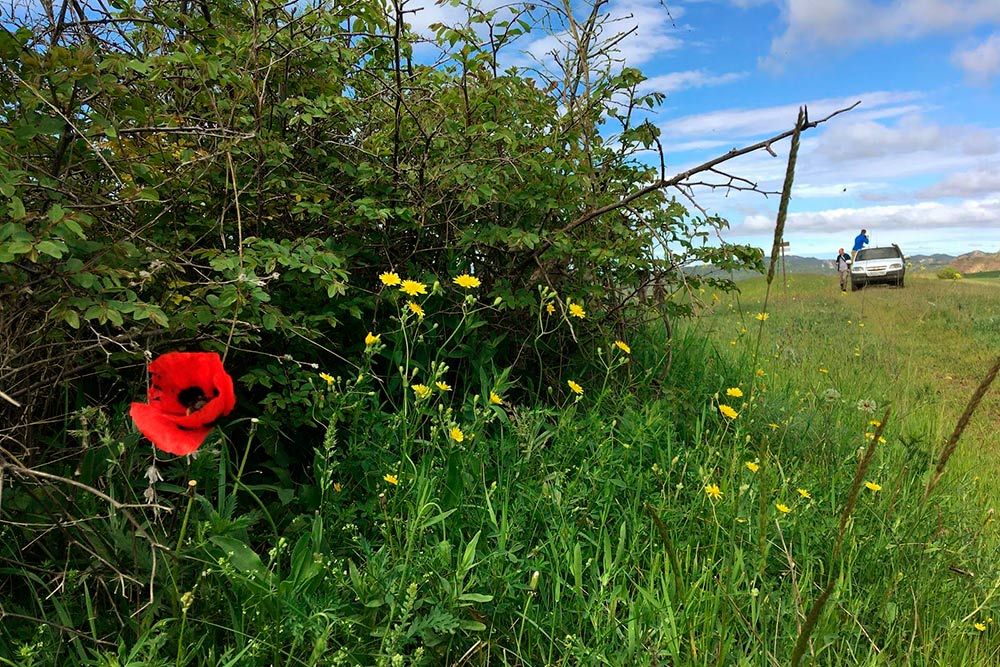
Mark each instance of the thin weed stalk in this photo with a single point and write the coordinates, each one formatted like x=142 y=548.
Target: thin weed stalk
x=963 y=421
x=779 y=231
x=852 y=497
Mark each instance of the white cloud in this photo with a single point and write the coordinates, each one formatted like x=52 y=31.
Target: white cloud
x=755 y=122
x=981 y=62
x=646 y=27
x=817 y=24
x=970 y=213
x=811 y=191
x=699 y=78
x=846 y=141
x=981 y=180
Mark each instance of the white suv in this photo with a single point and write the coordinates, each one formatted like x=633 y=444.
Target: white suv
x=878 y=265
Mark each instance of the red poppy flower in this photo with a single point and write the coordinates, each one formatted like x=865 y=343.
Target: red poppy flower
x=188 y=393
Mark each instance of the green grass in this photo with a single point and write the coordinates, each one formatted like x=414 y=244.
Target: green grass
x=982 y=274
x=620 y=527
x=922 y=349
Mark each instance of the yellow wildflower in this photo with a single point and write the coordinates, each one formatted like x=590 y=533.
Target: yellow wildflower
x=727 y=411
x=734 y=391
x=443 y=386
x=389 y=278
x=466 y=281
x=421 y=390
x=576 y=310
x=495 y=398
x=338 y=487
x=762 y=316
x=392 y=479
x=873 y=487
x=979 y=626
x=774 y=427
x=415 y=308
x=549 y=308
x=804 y=493
x=327 y=378
x=577 y=389
x=783 y=508
x=876 y=423
x=623 y=346
x=751 y=466
x=456 y=434
x=413 y=288
x=760 y=372
x=371 y=338
x=823 y=370
x=713 y=491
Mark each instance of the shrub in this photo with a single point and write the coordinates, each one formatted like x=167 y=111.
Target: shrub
x=235 y=181
x=949 y=273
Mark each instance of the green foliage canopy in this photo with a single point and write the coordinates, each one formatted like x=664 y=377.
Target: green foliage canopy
x=235 y=177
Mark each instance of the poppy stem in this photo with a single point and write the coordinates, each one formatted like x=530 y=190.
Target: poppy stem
x=187 y=512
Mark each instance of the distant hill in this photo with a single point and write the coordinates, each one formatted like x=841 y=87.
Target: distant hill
x=976 y=261
x=973 y=262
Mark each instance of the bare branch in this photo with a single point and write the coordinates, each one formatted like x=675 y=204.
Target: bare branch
x=682 y=177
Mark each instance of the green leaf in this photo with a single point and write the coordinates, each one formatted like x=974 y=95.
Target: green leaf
x=18 y=247
x=96 y=312
x=241 y=556
x=72 y=318
x=158 y=316
x=16 y=208
x=50 y=248
x=74 y=227
x=56 y=213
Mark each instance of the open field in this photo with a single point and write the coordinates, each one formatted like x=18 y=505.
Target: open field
x=921 y=350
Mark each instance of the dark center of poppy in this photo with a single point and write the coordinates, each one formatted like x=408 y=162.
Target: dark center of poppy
x=192 y=398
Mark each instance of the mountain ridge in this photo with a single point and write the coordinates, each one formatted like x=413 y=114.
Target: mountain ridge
x=975 y=261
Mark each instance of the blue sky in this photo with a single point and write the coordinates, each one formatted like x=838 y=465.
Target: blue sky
x=916 y=163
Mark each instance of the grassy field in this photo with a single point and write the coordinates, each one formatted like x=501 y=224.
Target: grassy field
x=922 y=350
x=749 y=503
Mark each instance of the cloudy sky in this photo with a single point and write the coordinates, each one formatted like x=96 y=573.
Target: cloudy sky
x=916 y=163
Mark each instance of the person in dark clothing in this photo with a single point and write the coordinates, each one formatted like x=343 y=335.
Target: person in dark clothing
x=843 y=263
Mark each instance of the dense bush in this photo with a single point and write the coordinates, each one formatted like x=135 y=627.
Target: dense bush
x=236 y=177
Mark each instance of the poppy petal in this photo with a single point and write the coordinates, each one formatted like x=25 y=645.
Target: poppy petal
x=163 y=430
x=206 y=416
x=174 y=372
x=188 y=393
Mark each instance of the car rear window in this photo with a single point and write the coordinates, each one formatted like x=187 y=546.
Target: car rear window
x=878 y=253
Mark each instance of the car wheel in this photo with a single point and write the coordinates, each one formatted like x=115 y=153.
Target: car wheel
x=855 y=287
x=899 y=283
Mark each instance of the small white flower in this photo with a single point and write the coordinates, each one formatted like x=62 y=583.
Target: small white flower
x=153 y=475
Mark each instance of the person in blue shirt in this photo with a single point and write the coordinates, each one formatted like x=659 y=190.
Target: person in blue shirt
x=860 y=241
x=843 y=263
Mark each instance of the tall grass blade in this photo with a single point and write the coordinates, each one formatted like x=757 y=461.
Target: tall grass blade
x=963 y=421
